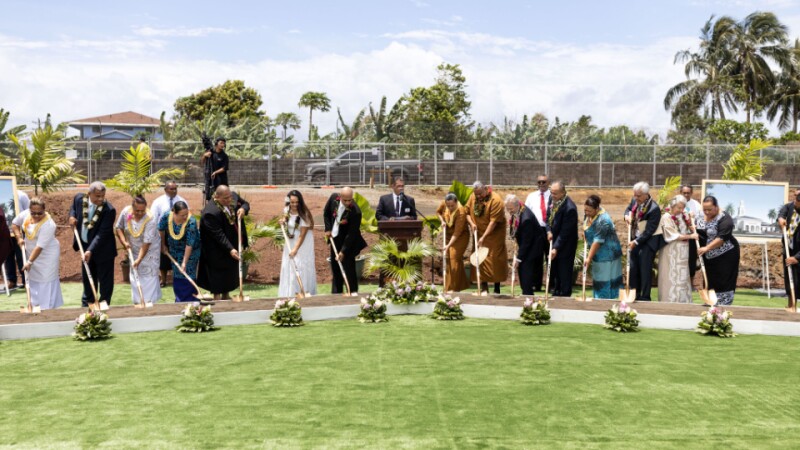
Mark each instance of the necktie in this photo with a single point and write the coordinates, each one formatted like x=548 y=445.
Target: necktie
x=171 y=199
x=85 y=229
x=397 y=207
x=543 y=207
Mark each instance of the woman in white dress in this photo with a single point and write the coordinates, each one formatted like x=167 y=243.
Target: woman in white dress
x=137 y=230
x=300 y=246
x=674 y=281
x=43 y=254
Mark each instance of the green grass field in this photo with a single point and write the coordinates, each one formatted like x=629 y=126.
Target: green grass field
x=411 y=383
x=122 y=295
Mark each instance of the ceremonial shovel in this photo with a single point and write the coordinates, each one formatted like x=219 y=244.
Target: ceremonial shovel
x=476 y=260
x=585 y=248
x=135 y=272
x=444 y=254
x=629 y=296
x=241 y=297
x=5 y=280
x=513 y=268
x=97 y=305
x=709 y=296
x=547 y=279
x=341 y=268
x=198 y=296
x=793 y=306
x=302 y=293
x=29 y=309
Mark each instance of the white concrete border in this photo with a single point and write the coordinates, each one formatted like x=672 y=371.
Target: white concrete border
x=339 y=312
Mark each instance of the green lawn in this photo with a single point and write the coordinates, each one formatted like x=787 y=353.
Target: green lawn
x=122 y=295
x=411 y=383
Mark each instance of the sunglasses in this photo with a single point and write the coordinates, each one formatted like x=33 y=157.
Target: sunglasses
x=541 y=182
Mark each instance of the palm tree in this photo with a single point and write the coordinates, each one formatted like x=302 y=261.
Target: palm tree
x=46 y=164
x=772 y=214
x=746 y=163
x=786 y=101
x=752 y=44
x=353 y=131
x=314 y=100
x=713 y=86
x=135 y=178
x=287 y=120
x=4 y=121
x=398 y=265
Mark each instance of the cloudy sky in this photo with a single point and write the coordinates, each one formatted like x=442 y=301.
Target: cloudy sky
x=562 y=58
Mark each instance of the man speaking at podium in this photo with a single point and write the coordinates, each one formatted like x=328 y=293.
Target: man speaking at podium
x=396 y=205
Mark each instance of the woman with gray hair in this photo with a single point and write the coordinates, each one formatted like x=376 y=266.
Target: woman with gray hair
x=674 y=279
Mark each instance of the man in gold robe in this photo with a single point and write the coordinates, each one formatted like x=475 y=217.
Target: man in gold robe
x=486 y=212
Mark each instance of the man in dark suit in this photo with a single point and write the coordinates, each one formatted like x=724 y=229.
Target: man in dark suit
x=396 y=205
x=562 y=230
x=219 y=258
x=93 y=217
x=789 y=218
x=644 y=216
x=343 y=225
x=524 y=228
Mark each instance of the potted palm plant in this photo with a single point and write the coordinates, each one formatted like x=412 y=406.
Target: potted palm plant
x=397 y=265
x=256 y=231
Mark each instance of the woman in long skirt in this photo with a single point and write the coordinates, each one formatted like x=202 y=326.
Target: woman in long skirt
x=180 y=238
x=674 y=281
x=605 y=252
x=454 y=219
x=36 y=231
x=720 y=250
x=299 y=225
x=137 y=231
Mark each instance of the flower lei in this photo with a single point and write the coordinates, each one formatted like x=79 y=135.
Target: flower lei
x=513 y=224
x=171 y=225
x=643 y=209
x=227 y=211
x=291 y=231
x=343 y=219
x=587 y=222
x=678 y=224
x=27 y=223
x=554 y=210
x=480 y=205
x=86 y=222
x=451 y=218
x=132 y=230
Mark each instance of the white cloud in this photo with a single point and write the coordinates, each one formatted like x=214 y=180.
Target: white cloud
x=181 y=31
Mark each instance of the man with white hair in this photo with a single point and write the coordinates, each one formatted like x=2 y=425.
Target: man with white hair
x=93 y=217
x=524 y=228
x=643 y=215
x=485 y=214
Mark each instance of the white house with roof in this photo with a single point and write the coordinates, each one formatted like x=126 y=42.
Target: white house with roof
x=123 y=126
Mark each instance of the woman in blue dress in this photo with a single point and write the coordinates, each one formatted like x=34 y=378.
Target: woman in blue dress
x=180 y=238
x=605 y=252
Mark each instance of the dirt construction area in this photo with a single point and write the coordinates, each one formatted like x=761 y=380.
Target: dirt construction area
x=268 y=203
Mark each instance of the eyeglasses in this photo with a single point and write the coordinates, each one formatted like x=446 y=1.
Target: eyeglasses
x=541 y=182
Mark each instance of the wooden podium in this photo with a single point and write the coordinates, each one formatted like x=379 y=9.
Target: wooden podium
x=401 y=230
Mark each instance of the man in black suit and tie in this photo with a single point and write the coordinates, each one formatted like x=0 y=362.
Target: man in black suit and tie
x=93 y=217
x=645 y=216
x=396 y=205
x=343 y=225
x=789 y=218
x=562 y=230
x=524 y=228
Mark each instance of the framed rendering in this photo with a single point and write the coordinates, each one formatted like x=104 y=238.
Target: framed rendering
x=8 y=198
x=753 y=206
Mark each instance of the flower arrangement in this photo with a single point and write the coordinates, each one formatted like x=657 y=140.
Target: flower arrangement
x=716 y=322
x=287 y=313
x=196 y=319
x=372 y=310
x=92 y=326
x=622 y=318
x=447 y=308
x=407 y=293
x=534 y=313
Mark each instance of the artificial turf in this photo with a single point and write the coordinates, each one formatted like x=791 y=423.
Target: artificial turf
x=410 y=383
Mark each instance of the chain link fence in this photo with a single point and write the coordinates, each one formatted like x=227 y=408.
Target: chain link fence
x=361 y=163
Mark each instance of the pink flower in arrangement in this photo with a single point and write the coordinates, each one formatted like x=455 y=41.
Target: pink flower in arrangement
x=451 y=305
x=366 y=306
x=624 y=308
x=419 y=287
x=528 y=303
x=399 y=292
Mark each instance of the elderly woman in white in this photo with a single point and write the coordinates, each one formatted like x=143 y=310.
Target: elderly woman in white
x=36 y=233
x=137 y=230
x=674 y=280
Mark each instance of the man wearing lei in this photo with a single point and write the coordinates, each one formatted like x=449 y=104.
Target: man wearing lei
x=454 y=221
x=485 y=211
x=137 y=230
x=219 y=243
x=93 y=217
x=644 y=215
x=342 y=218
x=35 y=231
x=524 y=228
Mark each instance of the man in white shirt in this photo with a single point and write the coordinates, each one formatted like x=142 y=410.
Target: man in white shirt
x=693 y=207
x=162 y=206
x=538 y=202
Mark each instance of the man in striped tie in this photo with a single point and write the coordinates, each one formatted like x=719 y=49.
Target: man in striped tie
x=539 y=202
